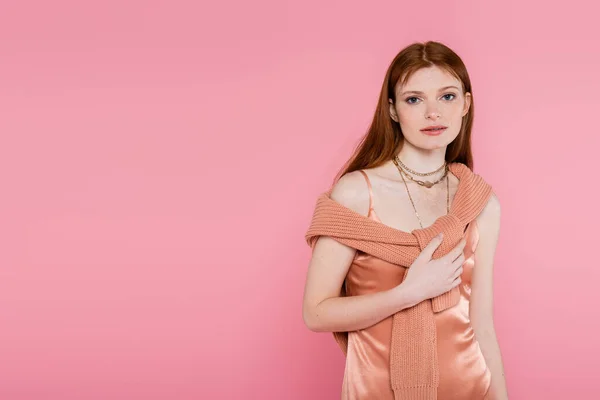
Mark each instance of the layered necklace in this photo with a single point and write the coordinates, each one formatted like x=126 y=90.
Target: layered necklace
x=404 y=171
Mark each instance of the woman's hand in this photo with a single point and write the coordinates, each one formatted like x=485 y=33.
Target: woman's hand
x=427 y=278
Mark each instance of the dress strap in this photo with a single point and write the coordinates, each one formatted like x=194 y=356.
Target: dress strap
x=370 y=190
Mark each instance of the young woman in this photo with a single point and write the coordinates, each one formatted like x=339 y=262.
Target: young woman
x=403 y=245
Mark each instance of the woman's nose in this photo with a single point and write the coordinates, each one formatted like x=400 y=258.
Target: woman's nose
x=432 y=114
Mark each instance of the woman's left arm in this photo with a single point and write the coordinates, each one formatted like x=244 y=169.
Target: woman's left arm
x=482 y=290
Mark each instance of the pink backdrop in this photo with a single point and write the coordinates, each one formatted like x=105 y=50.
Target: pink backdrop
x=160 y=162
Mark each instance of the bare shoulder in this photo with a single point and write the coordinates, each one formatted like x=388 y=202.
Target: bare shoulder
x=490 y=215
x=488 y=220
x=351 y=191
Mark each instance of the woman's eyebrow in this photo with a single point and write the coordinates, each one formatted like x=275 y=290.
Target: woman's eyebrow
x=417 y=92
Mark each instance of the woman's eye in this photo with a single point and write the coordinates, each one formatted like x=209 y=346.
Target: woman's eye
x=408 y=100
x=450 y=94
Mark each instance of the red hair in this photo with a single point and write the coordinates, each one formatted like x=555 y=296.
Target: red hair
x=384 y=138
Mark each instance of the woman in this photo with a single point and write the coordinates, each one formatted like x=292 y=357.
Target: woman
x=403 y=245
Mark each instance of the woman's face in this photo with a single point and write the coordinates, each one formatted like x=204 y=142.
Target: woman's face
x=431 y=96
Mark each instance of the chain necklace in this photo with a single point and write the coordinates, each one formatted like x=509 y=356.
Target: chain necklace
x=419 y=173
x=427 y=184
x=402 y=173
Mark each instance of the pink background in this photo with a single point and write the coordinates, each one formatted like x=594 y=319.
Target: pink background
x=160 y=162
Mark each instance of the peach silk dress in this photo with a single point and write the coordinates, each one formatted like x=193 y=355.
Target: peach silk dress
x=464 y=374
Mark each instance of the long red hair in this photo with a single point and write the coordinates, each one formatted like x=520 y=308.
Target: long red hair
x=384 y=138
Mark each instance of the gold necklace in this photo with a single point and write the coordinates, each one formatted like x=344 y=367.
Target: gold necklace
x=427 y=184
x=410 y=197
x=419 y=173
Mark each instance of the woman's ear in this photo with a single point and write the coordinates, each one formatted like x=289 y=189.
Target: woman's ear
x=393 y=111
x=467 y=104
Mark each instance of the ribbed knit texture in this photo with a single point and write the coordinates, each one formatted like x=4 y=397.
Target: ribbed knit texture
x=414 y=371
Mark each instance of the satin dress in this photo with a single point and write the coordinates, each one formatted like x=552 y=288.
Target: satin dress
x=464 y=374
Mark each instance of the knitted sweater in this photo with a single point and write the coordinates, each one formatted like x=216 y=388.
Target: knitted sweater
x=414 y=370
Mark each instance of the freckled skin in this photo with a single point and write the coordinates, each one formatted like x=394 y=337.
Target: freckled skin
x=433 y=107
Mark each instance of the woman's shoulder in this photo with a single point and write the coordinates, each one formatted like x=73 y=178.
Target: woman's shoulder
x=492 y=207
x=352 y=191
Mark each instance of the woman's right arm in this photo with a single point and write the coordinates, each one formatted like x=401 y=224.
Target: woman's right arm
x=323 y=309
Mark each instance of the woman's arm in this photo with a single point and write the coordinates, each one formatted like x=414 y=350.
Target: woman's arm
x=323 y=309
x=481 y=305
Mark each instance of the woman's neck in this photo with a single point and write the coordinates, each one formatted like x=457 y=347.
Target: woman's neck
x=421 y=162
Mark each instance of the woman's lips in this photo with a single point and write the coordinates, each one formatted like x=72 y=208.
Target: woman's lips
x=433 y=132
